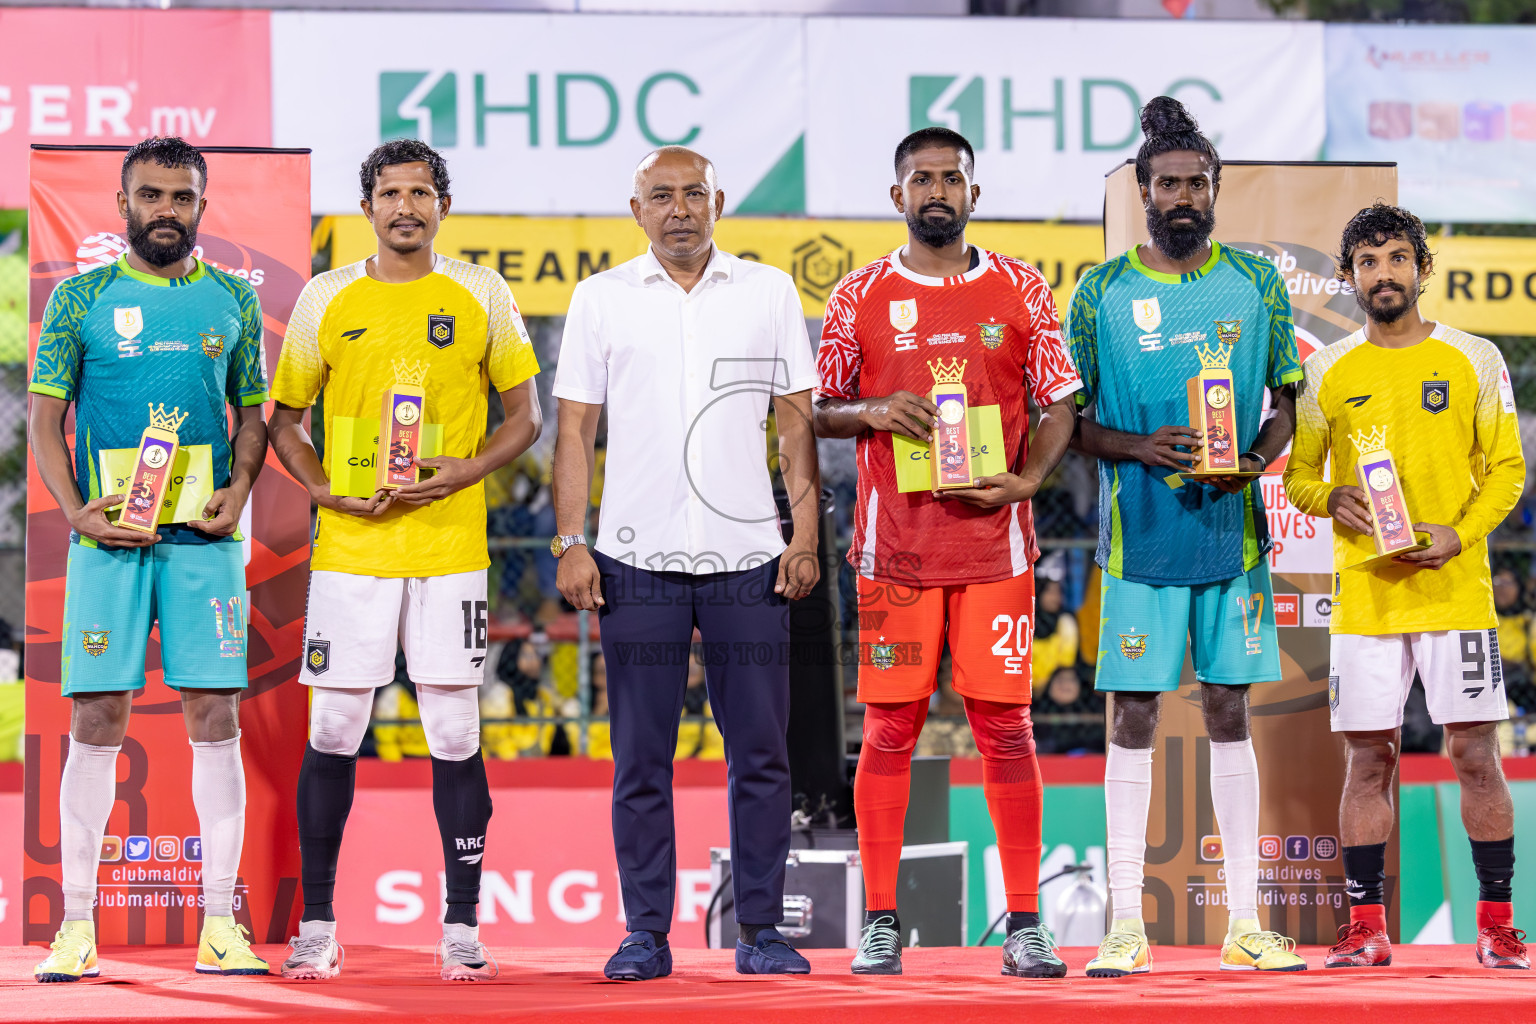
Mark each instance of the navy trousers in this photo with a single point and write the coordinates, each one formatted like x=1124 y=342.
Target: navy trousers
x=647 y=621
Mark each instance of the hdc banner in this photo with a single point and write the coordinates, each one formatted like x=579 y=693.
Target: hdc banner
x=149 y=879
x=1292 y=215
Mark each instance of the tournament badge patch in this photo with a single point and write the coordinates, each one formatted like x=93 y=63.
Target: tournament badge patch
x=94 y=641
x=213 y=344
x=1147 y=314
x=1437 y=395
x=1230 y=332
x=903 y=314
x=440 y=329
x=1333 y=693
x=317 y=656
x=882 y=655
x=1133 y=645
x=991 y=334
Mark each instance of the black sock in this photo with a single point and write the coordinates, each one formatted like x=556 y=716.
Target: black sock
x=660 y=938
x=1494 y=862
x=461 y=796
x=750 y=932
x=324 y=801
x=1022 y=919
x=461 y=913
x=1365 y=873
x=870 y=916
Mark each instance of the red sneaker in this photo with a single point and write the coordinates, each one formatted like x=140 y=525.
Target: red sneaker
x=1361 y=945
x=1499 y=945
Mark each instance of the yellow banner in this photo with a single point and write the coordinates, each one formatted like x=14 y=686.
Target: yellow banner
x=1483 y=285
x=542 y=258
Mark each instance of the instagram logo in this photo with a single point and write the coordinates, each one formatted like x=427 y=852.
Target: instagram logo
x=1269 y=847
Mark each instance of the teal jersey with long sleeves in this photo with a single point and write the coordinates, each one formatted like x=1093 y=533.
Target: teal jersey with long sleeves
x=116 y=341
x=1136 y=336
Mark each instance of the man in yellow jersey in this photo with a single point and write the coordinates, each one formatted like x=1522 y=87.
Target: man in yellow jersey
x=1440 y=402
x=405 y=565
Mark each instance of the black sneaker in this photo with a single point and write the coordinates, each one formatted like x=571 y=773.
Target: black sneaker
x=1031 y=953
x=879 y=948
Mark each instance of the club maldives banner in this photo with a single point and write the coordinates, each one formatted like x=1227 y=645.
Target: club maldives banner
x=1454 y=106
x=149 y=879
x=1291 y=215
x=115 y=77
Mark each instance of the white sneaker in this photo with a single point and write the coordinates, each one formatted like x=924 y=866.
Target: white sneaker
x=316 y=953
x=463 y=956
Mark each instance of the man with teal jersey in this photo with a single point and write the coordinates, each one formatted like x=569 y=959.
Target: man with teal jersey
x=156 y=337
x=1184 y=560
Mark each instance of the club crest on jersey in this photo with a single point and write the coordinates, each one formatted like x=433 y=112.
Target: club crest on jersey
x=317 y=656
x=439 y=330
x=94 y=641
x=1437 y=395
x=1230 y=332
x=1147 y=314
x=903 y=314
x=882 y=655
x=991 y=334
x=213 y=344
x=1333 y=693
x=1133 y=645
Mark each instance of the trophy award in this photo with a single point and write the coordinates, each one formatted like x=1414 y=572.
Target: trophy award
x=1392 y=523
x=400 y=426
x=1213 y=412
x=950 y=449
x=152 y=471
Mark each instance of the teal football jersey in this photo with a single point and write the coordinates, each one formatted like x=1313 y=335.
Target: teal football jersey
x=115 y=341
x=1136 y=336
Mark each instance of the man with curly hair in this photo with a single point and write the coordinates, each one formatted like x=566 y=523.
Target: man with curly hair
x=1441 y=402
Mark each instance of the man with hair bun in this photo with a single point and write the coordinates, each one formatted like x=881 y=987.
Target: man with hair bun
x=1442 y=404
x=1183 y=559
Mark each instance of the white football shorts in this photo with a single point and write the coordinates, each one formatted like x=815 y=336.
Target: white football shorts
x=1369 y=678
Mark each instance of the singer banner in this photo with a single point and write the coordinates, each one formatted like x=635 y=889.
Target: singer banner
x=150 y=886
x=1293 y=216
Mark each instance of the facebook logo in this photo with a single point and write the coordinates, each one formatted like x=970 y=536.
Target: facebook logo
x=192 y=848
x=136 y=848
x=1297 y=847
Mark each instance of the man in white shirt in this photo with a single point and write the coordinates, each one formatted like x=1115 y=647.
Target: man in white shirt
x=686 y=344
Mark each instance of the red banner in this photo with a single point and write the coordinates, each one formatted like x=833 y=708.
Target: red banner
x=114 y=77
x=257 y=227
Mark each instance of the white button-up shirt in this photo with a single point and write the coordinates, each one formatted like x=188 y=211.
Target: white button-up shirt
x=687 y=378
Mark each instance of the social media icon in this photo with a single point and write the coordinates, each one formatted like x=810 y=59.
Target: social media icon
x=136 y=848
x=1297 y=848
x=1210 y=848
x=111 y=849
x=192 y=848
x=1325 y=847
x=167 y=848
x=1269 y=847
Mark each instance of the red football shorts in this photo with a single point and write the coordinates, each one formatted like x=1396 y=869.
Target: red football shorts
x=902 y=629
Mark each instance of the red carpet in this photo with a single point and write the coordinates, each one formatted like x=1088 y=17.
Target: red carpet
x=385 y=985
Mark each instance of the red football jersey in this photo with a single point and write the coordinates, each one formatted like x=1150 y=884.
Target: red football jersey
x=884 y=325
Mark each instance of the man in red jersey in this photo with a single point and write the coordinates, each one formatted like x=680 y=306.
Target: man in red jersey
x=952 y=565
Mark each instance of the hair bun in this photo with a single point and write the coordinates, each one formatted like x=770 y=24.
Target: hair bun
x=1164 y=115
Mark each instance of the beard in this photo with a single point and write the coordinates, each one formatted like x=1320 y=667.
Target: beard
x=1386 y=305
x=161 y=254
x=1180 y=237
x=937 y=233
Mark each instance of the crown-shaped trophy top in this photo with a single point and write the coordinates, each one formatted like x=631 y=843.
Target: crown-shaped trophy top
x=1373 y=440
x=410 y=373
x=162 y=420
x=950 y=371
x=1216 y=357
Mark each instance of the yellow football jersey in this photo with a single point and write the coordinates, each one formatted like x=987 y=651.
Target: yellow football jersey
x=345 y=334
x=1448 y=411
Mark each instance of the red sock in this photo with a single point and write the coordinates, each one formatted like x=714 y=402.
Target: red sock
x=881 y=787
x=1373 y=914
x=1011 y=781
x=1490 y=914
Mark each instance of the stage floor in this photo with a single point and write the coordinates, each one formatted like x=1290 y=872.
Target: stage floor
x=382 y=984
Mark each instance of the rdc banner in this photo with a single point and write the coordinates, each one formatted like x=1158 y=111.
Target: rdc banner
x=1293 y=216
x=256 y=227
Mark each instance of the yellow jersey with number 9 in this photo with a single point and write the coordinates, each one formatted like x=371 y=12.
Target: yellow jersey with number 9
x=461 y=329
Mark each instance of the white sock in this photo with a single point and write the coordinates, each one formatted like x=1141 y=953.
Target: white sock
x=87 y=791
x=1127 y=802
x=218 y=793
x=1235 y=797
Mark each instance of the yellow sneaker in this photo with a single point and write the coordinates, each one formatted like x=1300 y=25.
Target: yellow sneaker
x=1248 y=948
x=225 y=948
x=72 y=955
x=1125 y=950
